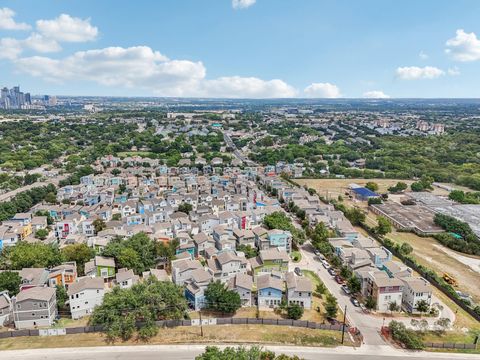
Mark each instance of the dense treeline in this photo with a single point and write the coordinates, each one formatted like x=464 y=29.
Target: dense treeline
x=23 y=201
x=468 y=243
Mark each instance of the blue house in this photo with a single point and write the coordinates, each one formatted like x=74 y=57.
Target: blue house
x=269 y=291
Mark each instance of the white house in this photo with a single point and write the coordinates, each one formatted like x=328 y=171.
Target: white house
x=125 y=278
x=299 y=290
x=416 y=289
x=84 y=295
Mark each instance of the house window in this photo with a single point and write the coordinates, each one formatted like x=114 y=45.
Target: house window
x=18 y=306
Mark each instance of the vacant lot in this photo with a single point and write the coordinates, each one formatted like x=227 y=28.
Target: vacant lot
x=265 y=334
x=427 y=251
x=331 y=188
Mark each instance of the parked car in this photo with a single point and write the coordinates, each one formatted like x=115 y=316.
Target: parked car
x=316 y=252
x=339 y=279
x=332 y=271
x=346 y=290
x=298 y=271
x=326 y=265
x=355 y=302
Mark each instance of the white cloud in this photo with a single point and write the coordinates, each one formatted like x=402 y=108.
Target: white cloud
x=375 y=94
x=453 y=71
x=464 y=46
x=322 y=90
x=422 y=55
x=8 y=23
x=246 y=87
x=142 y=68
x=10 y=48
x=67 y=29
x=415 y=72
x=242 y=4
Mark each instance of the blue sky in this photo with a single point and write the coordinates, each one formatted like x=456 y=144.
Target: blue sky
x=267 y=48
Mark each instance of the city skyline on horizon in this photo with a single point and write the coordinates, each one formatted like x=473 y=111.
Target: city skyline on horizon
x=243 y=49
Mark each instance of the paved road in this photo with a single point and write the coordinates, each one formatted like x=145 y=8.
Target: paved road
x=368 y=324
x=355 y=316
x=236 y=152
x=188 y=352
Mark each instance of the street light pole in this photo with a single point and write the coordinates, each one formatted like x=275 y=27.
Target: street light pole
x=344 y=320
x=201 y=323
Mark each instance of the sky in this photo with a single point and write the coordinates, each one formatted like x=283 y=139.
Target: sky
x=242 y=48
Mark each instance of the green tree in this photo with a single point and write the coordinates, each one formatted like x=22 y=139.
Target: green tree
x=356 y=216
x=383 y=227
x=51 y=198
x=331 y=306
x=26 y=255
x=80 y=253
x=406 y=248
x=219 y=298
x=278 y=220
x=294 y=311
x=354 y=284
x=137 y=252
x=370 y=303
x=248 y=250
x=117 y=217
x=10 y=281
x=320 y=289
x=393 y=306
x=372 y=186
x=41 y=234
x=241 y=353
x=61 y=295
x=185 y=208
x=99 y=225
x=147 y=301
x=423 y=306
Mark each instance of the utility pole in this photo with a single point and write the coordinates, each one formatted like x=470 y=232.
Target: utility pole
x=201 y=323
x=343 y=327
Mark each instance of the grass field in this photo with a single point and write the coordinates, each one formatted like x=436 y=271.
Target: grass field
x=427 y=251
x=265 y=334
x=331 y=188
x=135 y=153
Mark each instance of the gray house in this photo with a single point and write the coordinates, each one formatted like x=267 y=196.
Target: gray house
x=5 y=308
x=243 y=285
x=35 y=307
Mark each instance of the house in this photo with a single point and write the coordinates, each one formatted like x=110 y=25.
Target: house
x=226 y=265
x=384 y=289
x=125 y=278
x=6 y=308
x=101 y=266
x=243 y=285
x=195 y=288
x=269 y=291
x=159 y=274
x=415 y=289
x=182 y=270
x=270 y=260
x=244 y=237
x=379 y=256
x=33 y=277
x=34 y=307
x=64 y=275
x=275 y=238
x=299 y=290
x=84 y=295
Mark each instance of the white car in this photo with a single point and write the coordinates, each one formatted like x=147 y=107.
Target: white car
x=325 y=264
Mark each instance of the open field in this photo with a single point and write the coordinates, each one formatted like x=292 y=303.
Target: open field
x=331 y=188
x=427 y=251
x=265 y=334
x=125 y=154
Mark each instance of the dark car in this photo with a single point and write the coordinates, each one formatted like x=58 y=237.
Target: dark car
x=298 y=271
x=332 y=271
x=355 y=302
x=339 y=279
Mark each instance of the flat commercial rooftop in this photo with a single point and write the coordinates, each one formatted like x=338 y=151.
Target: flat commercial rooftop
x=412 y=217
x=429 y=199
x=466 y=213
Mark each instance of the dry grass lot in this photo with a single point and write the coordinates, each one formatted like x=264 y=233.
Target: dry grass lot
x=427 y=251
x=265 y=334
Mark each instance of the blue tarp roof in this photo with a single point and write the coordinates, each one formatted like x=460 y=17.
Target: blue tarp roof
x=365 y=192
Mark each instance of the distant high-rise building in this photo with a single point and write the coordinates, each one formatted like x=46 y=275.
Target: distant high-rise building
x=14 y=98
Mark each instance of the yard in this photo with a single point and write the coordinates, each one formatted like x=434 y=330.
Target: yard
x=241 y=334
